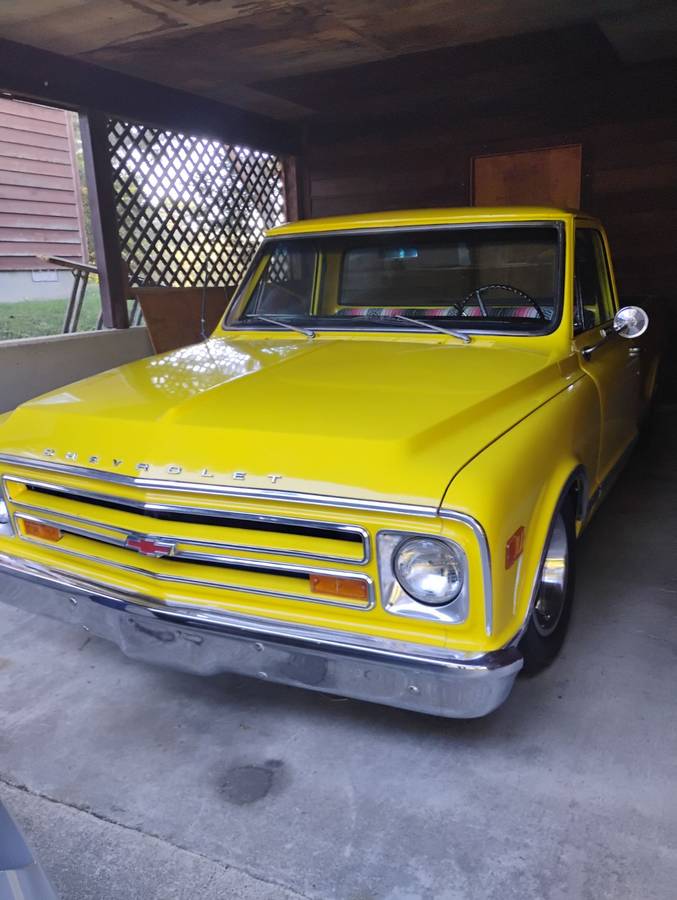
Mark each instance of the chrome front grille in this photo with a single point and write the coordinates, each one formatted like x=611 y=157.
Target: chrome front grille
x=210 y=546
x=36 y=494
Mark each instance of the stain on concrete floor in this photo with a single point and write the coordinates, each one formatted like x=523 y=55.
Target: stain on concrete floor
x=247 y=784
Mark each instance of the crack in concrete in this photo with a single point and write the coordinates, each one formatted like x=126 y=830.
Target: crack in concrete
x=15 y=785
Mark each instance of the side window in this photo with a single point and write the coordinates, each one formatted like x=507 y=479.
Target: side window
x=286 y=285
x=593 y=294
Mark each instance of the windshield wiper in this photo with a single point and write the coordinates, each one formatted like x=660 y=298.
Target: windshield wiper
x=461 y=335
x=307 y=331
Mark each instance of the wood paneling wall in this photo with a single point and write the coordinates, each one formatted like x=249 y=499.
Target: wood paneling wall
x=420 y=156
x=40 y=211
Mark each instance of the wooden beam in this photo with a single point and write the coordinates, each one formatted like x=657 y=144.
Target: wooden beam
x=40 y=75
x=297 y=187
x=112 y=275
x=294 y=189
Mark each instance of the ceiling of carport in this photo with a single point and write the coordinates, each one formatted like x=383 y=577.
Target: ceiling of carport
x=248 y=52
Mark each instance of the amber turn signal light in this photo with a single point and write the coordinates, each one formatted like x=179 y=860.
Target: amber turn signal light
x=514 y=547
x=353 y=588
x=44 y=532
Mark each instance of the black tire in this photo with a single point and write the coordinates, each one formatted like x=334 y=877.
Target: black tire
x=551 y=611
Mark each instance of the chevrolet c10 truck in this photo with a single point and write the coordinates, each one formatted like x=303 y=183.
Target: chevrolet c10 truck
x=369 y=481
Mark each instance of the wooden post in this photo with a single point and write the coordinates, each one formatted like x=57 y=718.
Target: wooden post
x=293 y=188
x=112 y=274
x=297 y=183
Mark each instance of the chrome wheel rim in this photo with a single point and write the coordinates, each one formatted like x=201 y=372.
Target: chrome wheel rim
x=552 y=591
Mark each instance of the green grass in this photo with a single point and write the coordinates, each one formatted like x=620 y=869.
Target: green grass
x=35 y=318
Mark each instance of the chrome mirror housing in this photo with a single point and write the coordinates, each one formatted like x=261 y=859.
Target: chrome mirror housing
x=631 y=322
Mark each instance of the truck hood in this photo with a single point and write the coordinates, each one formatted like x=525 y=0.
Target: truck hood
x=382 y=420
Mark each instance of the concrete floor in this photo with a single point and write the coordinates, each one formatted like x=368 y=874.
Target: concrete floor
x=133 y=782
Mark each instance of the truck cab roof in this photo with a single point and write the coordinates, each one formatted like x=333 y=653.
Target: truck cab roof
x=417 y=218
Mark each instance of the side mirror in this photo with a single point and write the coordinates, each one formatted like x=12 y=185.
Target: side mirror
x=631 y=322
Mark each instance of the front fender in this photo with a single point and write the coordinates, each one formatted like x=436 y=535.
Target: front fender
x=518 y=481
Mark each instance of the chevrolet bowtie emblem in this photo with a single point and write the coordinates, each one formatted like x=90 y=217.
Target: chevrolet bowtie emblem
x=150 y=547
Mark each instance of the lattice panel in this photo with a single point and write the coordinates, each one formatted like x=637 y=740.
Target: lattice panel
x=190 y=211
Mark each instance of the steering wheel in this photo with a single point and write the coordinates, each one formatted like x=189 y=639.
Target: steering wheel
x=477 y=294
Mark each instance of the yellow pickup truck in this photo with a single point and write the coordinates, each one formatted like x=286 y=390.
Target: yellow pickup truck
x=369 y=481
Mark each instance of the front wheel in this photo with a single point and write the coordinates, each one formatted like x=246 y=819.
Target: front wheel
x=550 y=614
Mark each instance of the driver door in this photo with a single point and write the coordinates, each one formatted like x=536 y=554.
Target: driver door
x=611 y=361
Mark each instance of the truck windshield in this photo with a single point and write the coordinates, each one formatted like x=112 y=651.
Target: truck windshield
x=494 y=278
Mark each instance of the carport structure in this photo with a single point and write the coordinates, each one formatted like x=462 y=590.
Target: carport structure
x=225 y=788
x=372 y=105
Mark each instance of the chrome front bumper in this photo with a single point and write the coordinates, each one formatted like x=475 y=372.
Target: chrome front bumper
x=431 y=680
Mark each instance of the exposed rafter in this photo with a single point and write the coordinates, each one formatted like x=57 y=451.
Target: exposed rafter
x=51 y=78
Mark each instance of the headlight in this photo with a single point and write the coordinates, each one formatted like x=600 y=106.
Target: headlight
x=429 y=570
x=5 y=525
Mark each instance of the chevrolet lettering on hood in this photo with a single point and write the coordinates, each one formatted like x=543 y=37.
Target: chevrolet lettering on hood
x=158 y=471
x=369 y=481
